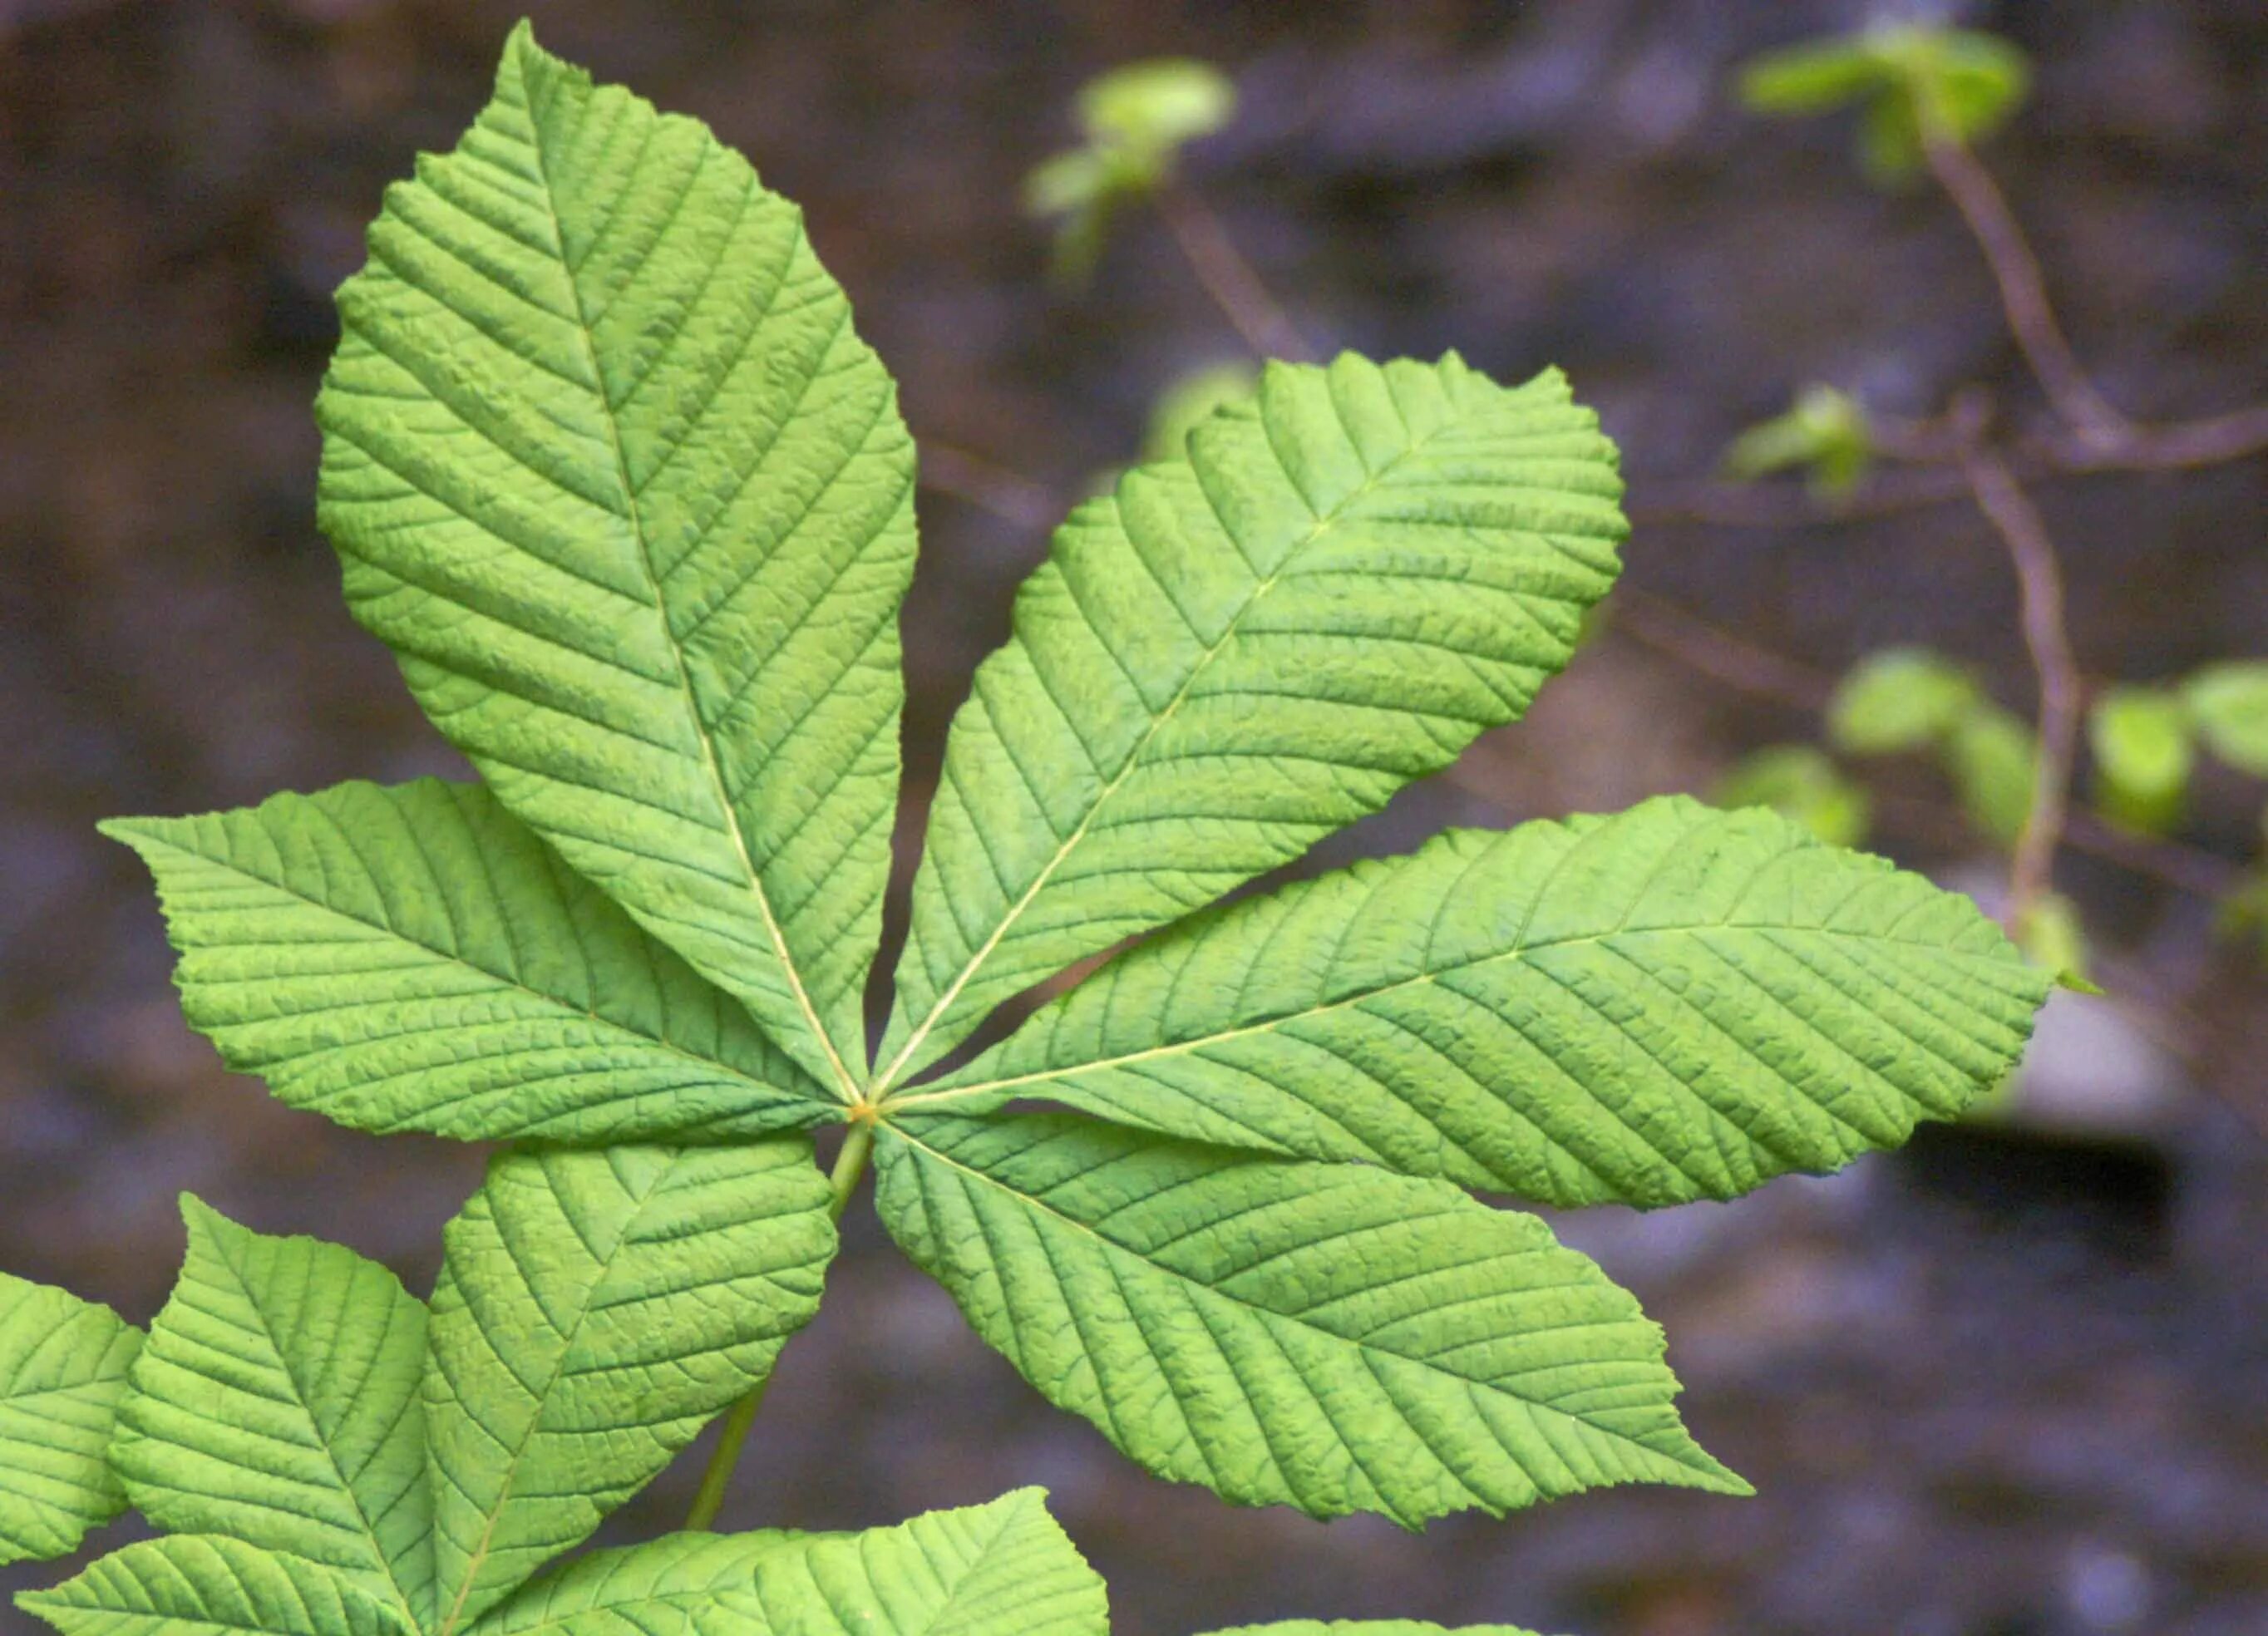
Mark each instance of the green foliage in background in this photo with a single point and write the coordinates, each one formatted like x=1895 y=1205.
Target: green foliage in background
x=1913 y=84
x=1901 y=701
x=609 y=469
x=1133 y=122
x=1824 y=433
x=1801 y=783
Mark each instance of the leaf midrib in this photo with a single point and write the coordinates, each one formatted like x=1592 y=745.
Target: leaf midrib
x=846 y=1085
x=386 y=1563
x=955 y=1093
x=896 y=1068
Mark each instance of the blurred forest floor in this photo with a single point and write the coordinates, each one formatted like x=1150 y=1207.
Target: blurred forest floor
x=2013 y=1383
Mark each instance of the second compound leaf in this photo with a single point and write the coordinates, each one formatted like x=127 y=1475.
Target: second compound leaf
x=276 y=1402
x=1329 y=1337
x=978 y=1570
x=211 y=1585
x=63 y=1365
x=595 y=1310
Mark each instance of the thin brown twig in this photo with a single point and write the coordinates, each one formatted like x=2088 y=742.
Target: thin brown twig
x=1236 y=289
x=2023 y=293
x=977 y=482
x=1701 y=646
x=2039 y=579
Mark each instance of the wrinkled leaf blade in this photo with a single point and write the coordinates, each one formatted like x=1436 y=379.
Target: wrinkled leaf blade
x=595 y=1310
x=1344 y=581
x=1329 y=1337
x=1672 y=1003
x=415 y=959
x=612 y=473
x=667 y=1585
x=1007 y=1567
x=63 y=1365
x=275 y=1401
x=211 y=1585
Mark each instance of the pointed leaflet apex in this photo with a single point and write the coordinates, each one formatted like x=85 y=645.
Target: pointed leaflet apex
x=1346 y=578
x=610 y=471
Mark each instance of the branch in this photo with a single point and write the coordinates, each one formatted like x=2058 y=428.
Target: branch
x=2039 y=579
x=2023 y=294
x=1228 y=277
x=977 y=482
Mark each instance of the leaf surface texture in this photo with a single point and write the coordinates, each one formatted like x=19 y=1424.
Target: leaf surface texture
x=594 y=1311
x=62 y=1371
x=1007 y=1567
x=211 y=1585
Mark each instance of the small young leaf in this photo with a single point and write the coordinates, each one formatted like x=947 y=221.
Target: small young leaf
x=1899 y=699
x=1003 y=1569
x=62 y=1371
x=1825 y=432
x=2230 y=701
x=1671 y=1004
x=2144 y=745
x=211 y=1585
x=2054 y=938
x=1345 y=580
x=1802 y=784
x=595 y=1310
x=276 y=1403
x=1154 y=108
x=1329 y=1337
x=1917 y=84
x=612 y=473
x=415 y=959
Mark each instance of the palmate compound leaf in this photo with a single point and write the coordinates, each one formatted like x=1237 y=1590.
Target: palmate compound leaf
x=211 y=1585
x=63 y=1370
x=276 y=1402
x=1328 y=1336
x=1234 y=653
x=981 y=1570
x=414 y=958
x=594 y=1311
x=1671 y=1004
x=612 y=473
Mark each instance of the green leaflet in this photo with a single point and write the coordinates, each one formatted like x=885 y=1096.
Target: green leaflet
x=211 y=1585
x=62 y=1371
x=1348 y=578
x=612 y=473
x=1672 y=1003
x=667 y=1585
x=984 y=1571
x=1330 y=1336
x=1368 y=1628
x=275 y=1402
x=415 y=959
x=594 y=1311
